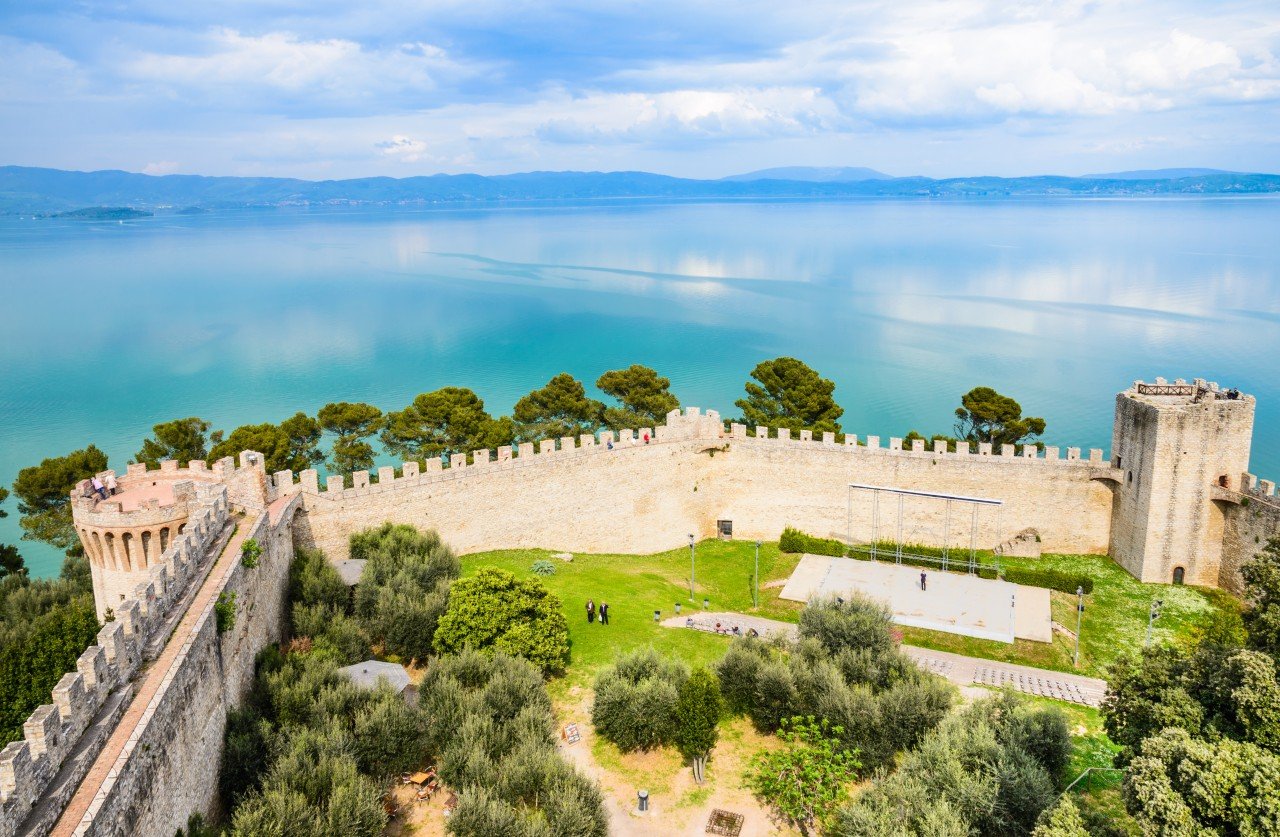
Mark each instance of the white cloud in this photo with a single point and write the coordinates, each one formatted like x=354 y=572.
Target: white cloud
x=968 y=61
x=279 y=67
x=677 y=115
x=161 y=167
x=404 y=149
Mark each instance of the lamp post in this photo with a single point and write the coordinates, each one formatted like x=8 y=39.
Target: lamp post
x=755 y=580
x=692 y=567
x=1152 y=615
x=1079 y=615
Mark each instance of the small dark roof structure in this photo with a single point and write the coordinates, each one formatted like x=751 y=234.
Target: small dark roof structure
x=351 y=570
x=367 y=674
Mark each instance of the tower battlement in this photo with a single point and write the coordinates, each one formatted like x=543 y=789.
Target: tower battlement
x=127 y=534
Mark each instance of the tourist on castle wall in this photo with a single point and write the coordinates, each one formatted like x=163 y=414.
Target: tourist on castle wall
x=112 y=487
x=98 y=487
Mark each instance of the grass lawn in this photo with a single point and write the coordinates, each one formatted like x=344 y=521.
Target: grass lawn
x=1115 y=617
x=637 y=585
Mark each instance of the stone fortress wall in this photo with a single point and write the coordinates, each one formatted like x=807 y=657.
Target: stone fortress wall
x=161 y=678
x=1173 y=486
x=585 y=497
x=1252 y=517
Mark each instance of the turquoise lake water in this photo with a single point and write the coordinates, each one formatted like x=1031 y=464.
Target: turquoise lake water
x=108 y=328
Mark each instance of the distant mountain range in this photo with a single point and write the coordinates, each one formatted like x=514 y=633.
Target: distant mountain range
x=1158 y=174
x=812 y=174
x=38 y=191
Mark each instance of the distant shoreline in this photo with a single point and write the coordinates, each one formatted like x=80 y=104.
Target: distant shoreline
x=513 y=204
x=44 y=192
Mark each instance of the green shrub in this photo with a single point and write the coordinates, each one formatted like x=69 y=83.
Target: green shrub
x=855 y=623
x=1052 y=579
x=776 y=697
x=737 y=671
x=250 y=551
x=224 y=612
x=494 y=610
x=314 y=581
x=405 y=587
x=45 y=624
x=844 y=670
x=491 y=728
x=971 y=775
x=808 y=778
x=795 y=541
x=635 y=701
x=543 y=567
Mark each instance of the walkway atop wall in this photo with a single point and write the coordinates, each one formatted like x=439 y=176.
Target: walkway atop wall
x=961 y=670
x=79 y=811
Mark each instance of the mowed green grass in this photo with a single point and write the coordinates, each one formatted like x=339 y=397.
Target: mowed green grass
x=1114 y=624
x=1115 y=618
x=637 y=585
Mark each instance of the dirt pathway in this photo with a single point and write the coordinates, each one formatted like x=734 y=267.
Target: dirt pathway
x=677 y=805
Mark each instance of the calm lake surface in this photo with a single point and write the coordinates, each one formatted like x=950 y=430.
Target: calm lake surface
x=109 y=328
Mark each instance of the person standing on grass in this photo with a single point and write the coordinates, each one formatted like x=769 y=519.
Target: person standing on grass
x=591 y=610
x=604 y=613
x=923 y=581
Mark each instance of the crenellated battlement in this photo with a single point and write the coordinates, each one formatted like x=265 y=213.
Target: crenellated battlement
x=99 y=687
x=692 y=424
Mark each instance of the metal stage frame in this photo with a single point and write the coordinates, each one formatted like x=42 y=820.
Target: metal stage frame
x=945 y=561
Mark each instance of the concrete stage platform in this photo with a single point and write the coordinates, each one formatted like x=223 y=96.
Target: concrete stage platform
x=957 y=603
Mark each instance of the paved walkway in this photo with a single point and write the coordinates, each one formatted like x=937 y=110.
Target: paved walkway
x=112 y=757
x=961 y=670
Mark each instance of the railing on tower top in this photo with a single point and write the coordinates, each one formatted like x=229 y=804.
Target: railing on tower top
x=1168 y=389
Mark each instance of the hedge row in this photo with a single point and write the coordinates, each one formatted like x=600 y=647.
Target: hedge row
x=793 y=540
x=1053 y=579
x=863 y=553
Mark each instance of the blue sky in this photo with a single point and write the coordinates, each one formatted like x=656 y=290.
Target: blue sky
x=322 y=89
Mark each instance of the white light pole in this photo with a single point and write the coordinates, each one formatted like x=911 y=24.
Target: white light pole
x=1079 y=615
x=755 y=586
x=692 y=567
x=1152 y=615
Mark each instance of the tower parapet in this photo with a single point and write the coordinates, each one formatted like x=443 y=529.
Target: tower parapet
x=126 y=535
x=1173 y=444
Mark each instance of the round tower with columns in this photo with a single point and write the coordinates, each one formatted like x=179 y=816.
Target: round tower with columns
x=126 y=534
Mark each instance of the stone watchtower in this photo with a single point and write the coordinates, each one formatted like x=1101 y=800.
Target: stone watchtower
x=125 y=535
x=1176 y=444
